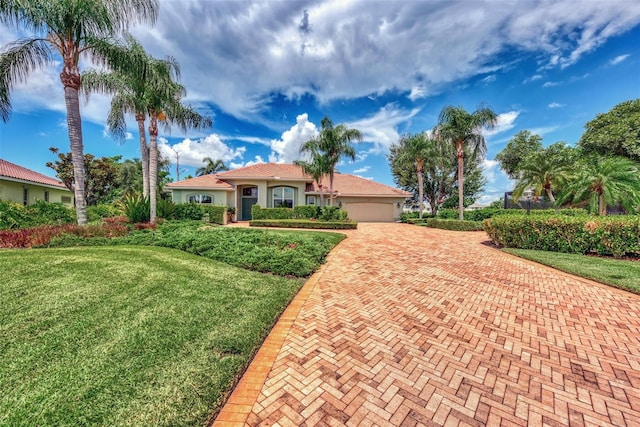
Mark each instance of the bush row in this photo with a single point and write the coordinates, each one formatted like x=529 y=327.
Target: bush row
x=42 y=235
x=482 y=214
x=453 y=224
x=325 y=213
x=301 y=223
x=14 y=215
x=617 y=236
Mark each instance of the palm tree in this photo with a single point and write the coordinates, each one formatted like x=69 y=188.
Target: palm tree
x=211 y=166
x=129 y=85
x=605 y=182
x=318 y=167
x=164 y=104
x=65 y=29
x=462 y=128
x=418 y=148
x=541 y=173
x=333 y=142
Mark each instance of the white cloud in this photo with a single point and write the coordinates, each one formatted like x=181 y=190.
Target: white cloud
x=618 y=59
x=555 y=105
x=191 y=152
x=490 y=168
x=362 y=169
x=550 y=84
x=544 y=130
x=381 y=128
x=256 y=160
x=532 y=78
x=489 y=79
x=505 y=122
x=417 y=92
x=287 y=148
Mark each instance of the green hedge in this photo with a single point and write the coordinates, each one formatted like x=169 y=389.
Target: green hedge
x=195 y=212
x=617 y=236
x=215 y=213
x=482 y=214
x=326 y=213
x=14 y=216
x=301 y=223
x=453 y=224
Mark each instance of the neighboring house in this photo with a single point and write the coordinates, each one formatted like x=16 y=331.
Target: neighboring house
x=285 y=185
x=25 y=186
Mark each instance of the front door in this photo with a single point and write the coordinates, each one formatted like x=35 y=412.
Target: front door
x=249 y=198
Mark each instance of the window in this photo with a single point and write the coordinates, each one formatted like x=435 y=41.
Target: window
x=283 y=197
x=311 y=200
x=46 y=196
x=65 y=199
x=250 y=192
x=25 y=196
x=203 y=199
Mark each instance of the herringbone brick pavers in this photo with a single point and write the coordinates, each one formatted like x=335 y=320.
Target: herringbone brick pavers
x=408 y=326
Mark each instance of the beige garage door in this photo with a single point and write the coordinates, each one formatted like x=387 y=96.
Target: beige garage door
x=370 y=212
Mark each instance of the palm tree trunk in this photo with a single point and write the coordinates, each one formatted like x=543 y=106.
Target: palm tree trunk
x=321 y=193
x=331 y=188
x=460 y=154
x=144 y=154
x=70 y=78
x=551 y=198
x=420 y=190
x=602 y=206
x=153 y=167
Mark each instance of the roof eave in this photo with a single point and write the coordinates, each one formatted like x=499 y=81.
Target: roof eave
x=26 y=181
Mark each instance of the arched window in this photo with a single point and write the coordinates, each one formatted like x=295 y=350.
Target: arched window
x=283 y=197
x=203 y=199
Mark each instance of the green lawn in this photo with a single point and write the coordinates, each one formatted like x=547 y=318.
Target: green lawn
x=126 y=335
x=614 y=272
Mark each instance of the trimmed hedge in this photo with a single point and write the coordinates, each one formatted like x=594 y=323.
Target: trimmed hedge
x=326 y=213
x=453 y=224
x=482 y=214
x=301 y=223
x=216 y=213
x=195 y=212
x=15 y=216
x=617 y=236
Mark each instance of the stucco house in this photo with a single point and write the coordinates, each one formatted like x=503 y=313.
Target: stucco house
x=285 y=185
x=25 y=186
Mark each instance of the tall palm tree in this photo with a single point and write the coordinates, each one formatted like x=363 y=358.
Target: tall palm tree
x=65 y=29
x=164 y=104
x=211 y=166
x=318 y=167
x=541 y=173
x=605 y=182
x=333 y=143
x=462 y=128
x=418 y=148
x=129 y=84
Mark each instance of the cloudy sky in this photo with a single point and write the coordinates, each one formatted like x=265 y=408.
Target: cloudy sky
x=267 y=72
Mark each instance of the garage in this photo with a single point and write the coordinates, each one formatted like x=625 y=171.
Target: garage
x=370 y=211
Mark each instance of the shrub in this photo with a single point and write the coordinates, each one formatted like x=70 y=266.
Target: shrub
x=333 y=213
x=136 y=207
x=258 y=212
x=301 y=223
x=42 y=236
x=165 y=209
x=12 y=215
x=215 y=214
x=306 y=212
x=41 y=213
x=617 y=236
x=188 y=211
x=453 y=224
x=482 y=214
x=101 y=211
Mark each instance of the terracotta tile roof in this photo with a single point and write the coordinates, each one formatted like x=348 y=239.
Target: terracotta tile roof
x=13 y=171
x=351 y=185
x=202 y=182
x=266 y=170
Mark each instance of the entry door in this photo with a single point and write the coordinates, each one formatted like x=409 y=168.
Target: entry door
x=249 y=198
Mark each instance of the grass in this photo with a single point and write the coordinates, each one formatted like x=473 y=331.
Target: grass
x=126 y=335
x=614 y=272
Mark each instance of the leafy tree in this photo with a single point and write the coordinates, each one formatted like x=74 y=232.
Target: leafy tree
x=544 y=171
x=318 y=167
x=418 y=148
x=211 y=166
x=615 y=133
x=129 y=83
x=333 y=143
x=520 y=146
x=65 y=30
x=604 y=182
x=464 y=129
x=101 y=175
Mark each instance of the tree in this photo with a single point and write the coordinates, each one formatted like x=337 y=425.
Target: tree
x=67 y=29
x=333 y=143
x=418 y=148
x=604 y=182
x=464 y=129
x=544 y=171
x=520 y=146
x=615 y=133
x=129 y=84
x=211 y=166
x=318 y=167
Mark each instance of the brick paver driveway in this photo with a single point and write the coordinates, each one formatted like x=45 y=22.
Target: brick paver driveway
x=413 y=326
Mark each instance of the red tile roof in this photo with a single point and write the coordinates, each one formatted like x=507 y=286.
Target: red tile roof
x=201 y=182
x=15 y=172
x=343 y=184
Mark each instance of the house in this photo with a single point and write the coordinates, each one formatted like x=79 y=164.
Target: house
x=25 y=186
x=285 y=185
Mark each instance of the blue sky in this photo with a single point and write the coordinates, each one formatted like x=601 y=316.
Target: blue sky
x=267 y=72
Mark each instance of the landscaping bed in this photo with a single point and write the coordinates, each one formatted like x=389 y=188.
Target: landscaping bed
x=301 y=223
